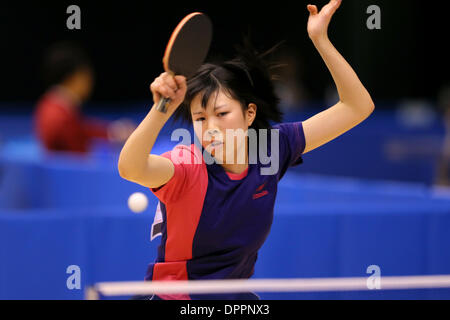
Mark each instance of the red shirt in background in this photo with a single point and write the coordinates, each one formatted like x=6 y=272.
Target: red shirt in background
x=60 y=126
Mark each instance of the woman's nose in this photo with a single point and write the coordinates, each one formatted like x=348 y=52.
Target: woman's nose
x=212 y=132
x=211 y=128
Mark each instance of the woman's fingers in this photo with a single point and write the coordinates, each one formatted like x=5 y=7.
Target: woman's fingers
x=159 y=88
x=312 y=9
x=331 y=7
x=171 y=87
x=154 y=90
x=169 y=80
x=165 y=85
x=180 y=82
x=167 y=91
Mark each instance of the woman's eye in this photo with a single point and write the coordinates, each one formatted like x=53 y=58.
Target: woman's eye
x=222 y=114
x=200 y=119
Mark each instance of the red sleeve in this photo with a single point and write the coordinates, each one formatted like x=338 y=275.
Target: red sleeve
x=57 y=127
x=187 y=161
x=72 y=138
x=95 y=128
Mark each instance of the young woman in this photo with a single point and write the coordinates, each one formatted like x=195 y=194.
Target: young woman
x=216 y=216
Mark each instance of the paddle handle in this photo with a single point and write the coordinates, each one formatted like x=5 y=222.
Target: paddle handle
x=162 y=104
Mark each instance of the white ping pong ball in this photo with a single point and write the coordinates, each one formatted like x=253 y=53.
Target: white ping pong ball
x=137 y=202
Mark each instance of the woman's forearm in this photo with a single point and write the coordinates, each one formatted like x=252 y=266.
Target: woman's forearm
x=134 y=155
x=351 y=90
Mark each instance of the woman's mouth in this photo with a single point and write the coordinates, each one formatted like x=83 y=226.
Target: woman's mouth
x=215 y=144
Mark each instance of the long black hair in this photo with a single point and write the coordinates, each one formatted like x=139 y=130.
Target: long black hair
x=247 y=78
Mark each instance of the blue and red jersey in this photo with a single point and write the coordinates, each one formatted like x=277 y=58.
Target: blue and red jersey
x=214 y=222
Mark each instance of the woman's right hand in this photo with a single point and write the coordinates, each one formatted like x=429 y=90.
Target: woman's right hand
x=168 y=86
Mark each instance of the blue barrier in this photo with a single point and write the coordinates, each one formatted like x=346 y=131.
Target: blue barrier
x=382 y=147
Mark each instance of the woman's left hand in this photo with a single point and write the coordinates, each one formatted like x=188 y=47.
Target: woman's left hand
x=319 y=20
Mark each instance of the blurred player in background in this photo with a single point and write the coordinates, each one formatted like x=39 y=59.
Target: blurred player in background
x=58 y=120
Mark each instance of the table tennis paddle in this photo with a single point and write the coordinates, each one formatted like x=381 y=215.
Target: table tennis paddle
x=187 y=49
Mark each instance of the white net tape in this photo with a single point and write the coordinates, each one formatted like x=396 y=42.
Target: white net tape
x=266 y=285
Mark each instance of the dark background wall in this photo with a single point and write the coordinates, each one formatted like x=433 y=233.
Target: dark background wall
x=126 y=41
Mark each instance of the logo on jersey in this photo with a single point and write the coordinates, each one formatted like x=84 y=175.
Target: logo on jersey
x=258 y=194
x=157 y=223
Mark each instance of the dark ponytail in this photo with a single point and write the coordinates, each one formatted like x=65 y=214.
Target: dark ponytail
x=246 y=78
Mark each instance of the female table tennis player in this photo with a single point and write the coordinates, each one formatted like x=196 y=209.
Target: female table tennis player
x=217 y=216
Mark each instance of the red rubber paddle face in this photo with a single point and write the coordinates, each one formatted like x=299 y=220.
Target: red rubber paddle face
x=189 y=45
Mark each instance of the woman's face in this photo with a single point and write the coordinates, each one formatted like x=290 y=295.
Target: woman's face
x=222 y=127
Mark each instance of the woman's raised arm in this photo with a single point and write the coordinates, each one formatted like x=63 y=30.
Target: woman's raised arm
x=355 y=103
x=136 y=164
